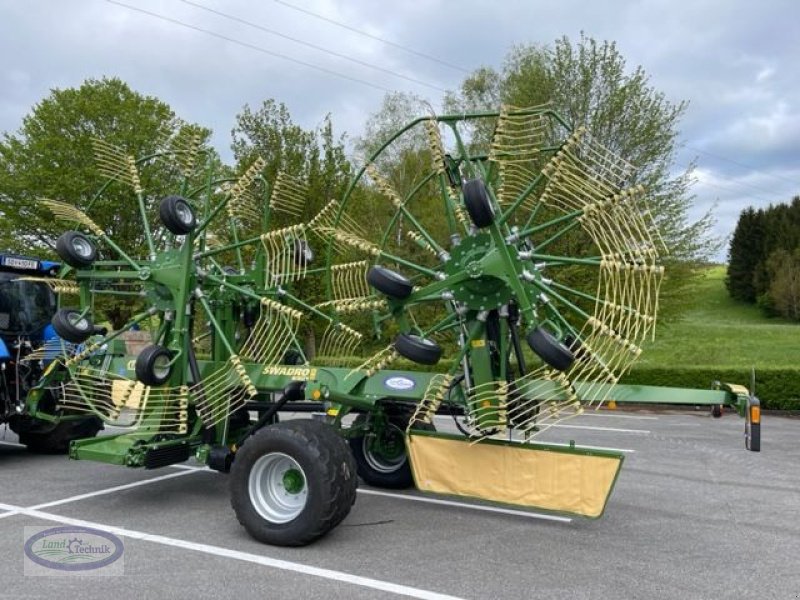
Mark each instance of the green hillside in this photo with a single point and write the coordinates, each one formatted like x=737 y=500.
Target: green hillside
x=720 y=339
x=719 y=331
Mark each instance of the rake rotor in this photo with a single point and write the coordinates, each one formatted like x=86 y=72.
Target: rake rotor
x=494 y=263
x=190 y=289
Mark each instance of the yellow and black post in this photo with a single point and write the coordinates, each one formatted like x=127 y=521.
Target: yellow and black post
x=752 y=427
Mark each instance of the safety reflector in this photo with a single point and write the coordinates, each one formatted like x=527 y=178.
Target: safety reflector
x=575 y=480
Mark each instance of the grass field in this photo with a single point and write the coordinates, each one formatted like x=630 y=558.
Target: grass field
x=720 y=332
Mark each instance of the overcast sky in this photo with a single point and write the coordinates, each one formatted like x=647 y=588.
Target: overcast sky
x=736 y=61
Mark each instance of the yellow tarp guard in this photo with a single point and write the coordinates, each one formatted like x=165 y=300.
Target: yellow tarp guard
x=513 y=474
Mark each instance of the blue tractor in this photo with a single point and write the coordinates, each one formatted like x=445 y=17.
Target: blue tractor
x=28 y=344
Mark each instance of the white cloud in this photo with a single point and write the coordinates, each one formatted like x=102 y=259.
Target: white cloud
x=764 y=74
x=728 y=195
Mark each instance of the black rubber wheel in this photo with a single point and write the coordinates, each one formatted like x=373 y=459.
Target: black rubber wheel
x=417 y=349
x=57 y=440
x=71 y=326
x=292 y=357
x=76 y=249
x=390 y=470
x=292 y=482
x=177 y=215
x=549 y=349
x=477 y=202
x=574 y=345
x=153 y=365
x=389 y=282
x=716 y=410
x=520 y=410
x=303 y=254
x=239 y=419
x=250 y=315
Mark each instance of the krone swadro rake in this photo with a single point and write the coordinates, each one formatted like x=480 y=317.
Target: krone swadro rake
x=525 y=267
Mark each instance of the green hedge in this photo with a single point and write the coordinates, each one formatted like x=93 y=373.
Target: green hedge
x=778 y=389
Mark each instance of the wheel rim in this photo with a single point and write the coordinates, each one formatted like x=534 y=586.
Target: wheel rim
x=78 y=322
x=277 y=487
x=380 y=462
x=161 y=367
x=395 y=276
x=82 y=247
x=184 y=213
x=303 y=252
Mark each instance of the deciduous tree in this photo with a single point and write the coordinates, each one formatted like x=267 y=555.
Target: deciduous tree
x=51 y=156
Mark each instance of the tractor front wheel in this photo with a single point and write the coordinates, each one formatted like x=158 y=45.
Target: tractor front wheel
x=57 y=439
x=293 y=482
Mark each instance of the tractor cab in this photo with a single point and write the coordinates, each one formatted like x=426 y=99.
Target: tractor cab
x=26 y=307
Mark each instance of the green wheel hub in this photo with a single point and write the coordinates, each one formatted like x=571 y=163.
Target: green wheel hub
x=277 y=487
x=385 y=451
x=293 y=481
x=482 y=291
x=389 y=445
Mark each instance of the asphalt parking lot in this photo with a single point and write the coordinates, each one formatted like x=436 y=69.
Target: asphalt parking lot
x=693 y=515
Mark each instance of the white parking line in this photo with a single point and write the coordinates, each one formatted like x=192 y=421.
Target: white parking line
x=111 y=490
x=616 y=416
x=615 y=429
x=193 y=468
x=579 y=446
x=283 y=565
x=12 y=444
x=10 y=513
x=592 y=427
x=504 y=511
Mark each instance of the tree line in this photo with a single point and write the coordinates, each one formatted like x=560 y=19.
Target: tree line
x=764 y=259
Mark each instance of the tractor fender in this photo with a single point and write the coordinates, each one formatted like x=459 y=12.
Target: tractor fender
x=49 y=333
x=52 y=344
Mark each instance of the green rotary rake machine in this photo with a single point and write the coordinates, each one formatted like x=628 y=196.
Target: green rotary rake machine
x=516 y=272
